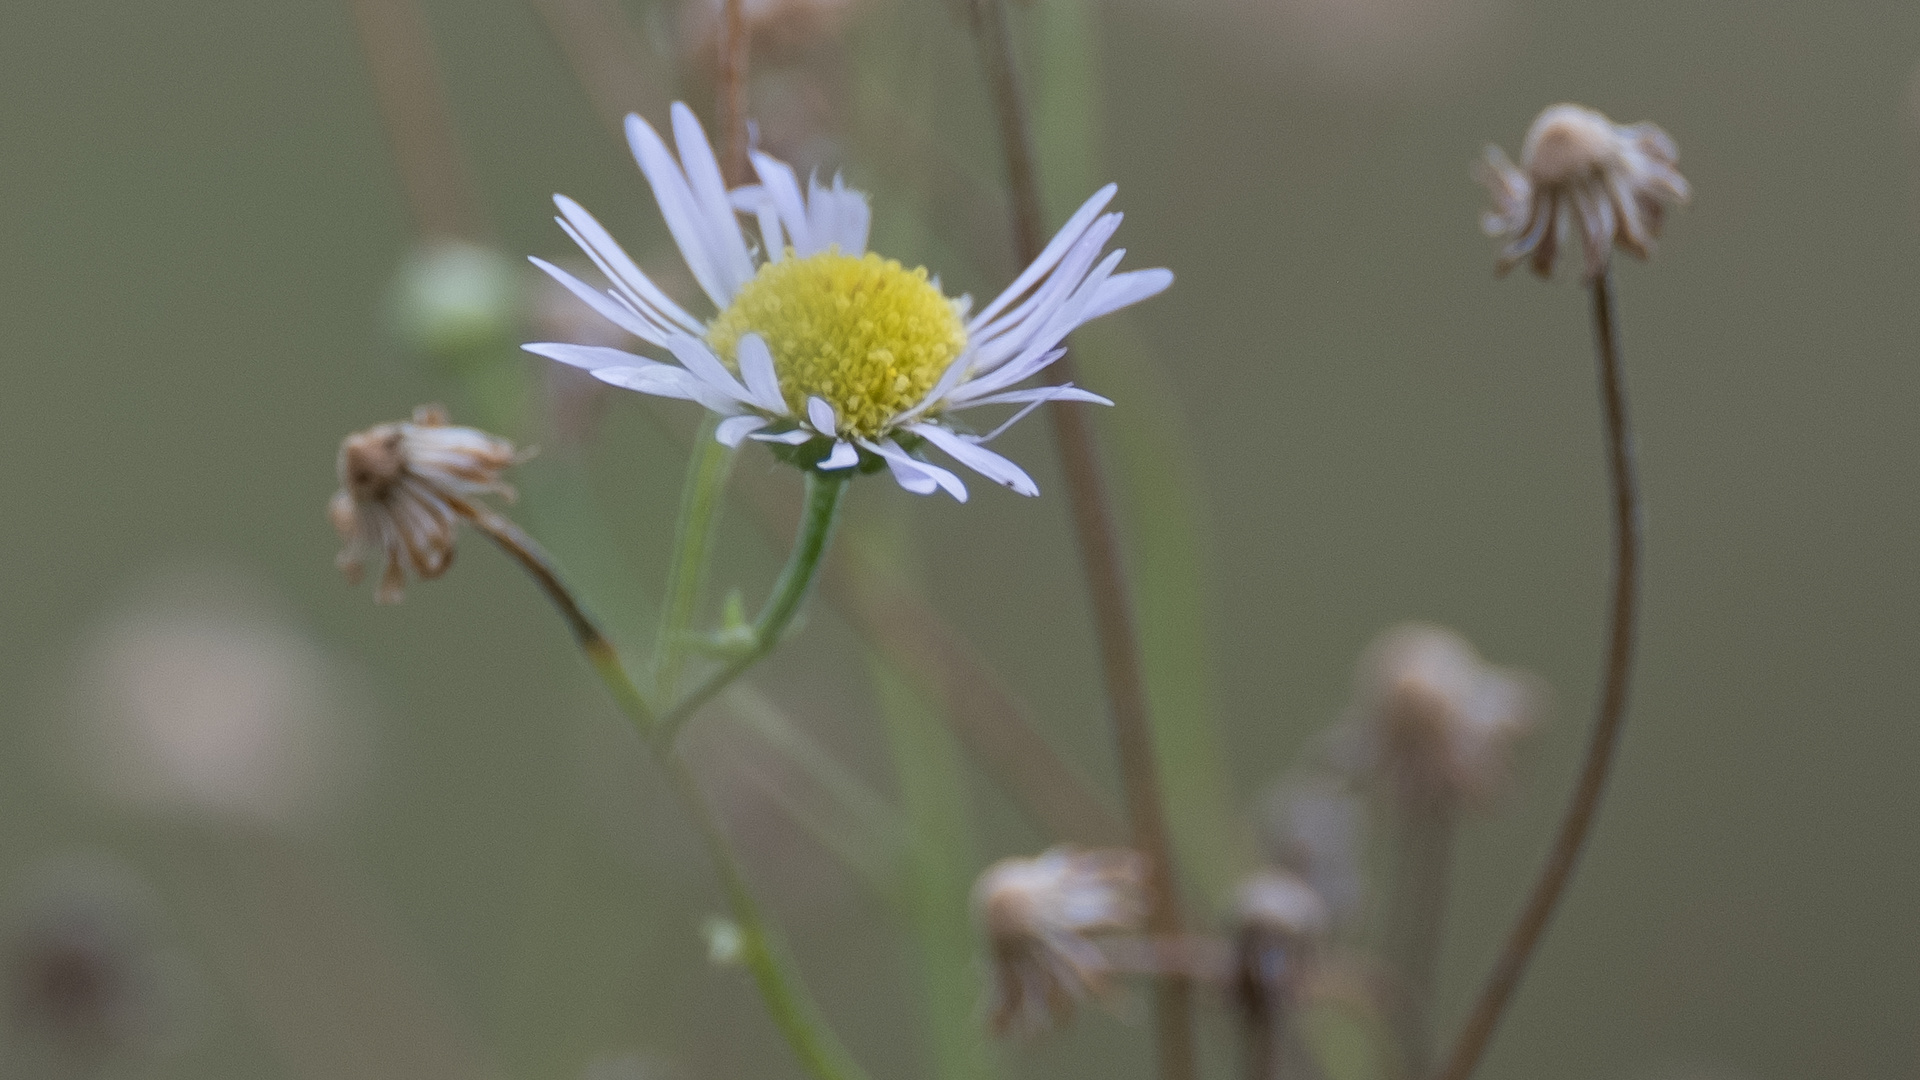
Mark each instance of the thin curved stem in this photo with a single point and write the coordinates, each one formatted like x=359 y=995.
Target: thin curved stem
x=1098 y=534
x=599 y=650
x=787 y=1002
x=1609 y=718
x=789 y=596
x=700 y=504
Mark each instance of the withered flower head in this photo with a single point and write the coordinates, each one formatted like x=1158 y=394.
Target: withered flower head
x=402 y=488
x=1578 y=167
x=1040 y=915
x=1439 y=720
x=1281 y=905
x=1278 y=920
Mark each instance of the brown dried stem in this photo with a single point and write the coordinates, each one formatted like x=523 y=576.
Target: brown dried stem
x=734 y=43
x=1610 y=716
x=603 y=49
x=419 y=122
x=1099 y=541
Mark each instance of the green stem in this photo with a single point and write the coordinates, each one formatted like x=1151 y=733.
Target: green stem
x=789 y=595
x=599 y=650
x=792 y=1010
x=700 y=503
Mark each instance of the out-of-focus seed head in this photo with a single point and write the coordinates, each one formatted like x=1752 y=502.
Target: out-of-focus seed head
x=84 y=978
x=1041 y=915
x=1279 y=921
x=1437 y=721
x=403 y=487
x=196 y=696
x=1315 y=828
x=1580 y=170
x=1281 y=904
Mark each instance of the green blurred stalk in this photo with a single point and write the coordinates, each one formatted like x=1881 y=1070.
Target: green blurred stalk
x=693 y=539
x=1155 y=470
x=790 y=594
x=938 y=867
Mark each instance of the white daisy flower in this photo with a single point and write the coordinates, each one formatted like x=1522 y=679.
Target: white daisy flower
x=835 y=356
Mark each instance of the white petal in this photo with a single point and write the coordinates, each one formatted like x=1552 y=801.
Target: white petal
x=903 y=465
x=773 y=244
x=783 y=189
x=912 y=477
x=1039 y=350
x=838 y=215
x=684 y=217
x=756 y=365
x=610 y=309
x=599 y=244
x=1062 y=240
x=1039 y=393
x=588 y=357
x=710 y=192
x=747 y=198
x=699 y=359
x=1017 y=329
x=734 y=428
x=978 y=458
x=789 y=438
x=844 y=456
x=1124 y=289
x=665 y=380
x=820 y=415
x=1011 y=373
x=960 y=368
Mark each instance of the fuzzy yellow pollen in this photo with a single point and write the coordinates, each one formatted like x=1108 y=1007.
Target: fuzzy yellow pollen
x=864 y=334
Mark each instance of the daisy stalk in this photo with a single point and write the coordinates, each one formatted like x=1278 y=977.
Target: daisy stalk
x=1609 y=185
x=700 y=505
x=785 y=997
x=821 y=513
x=1098 y=536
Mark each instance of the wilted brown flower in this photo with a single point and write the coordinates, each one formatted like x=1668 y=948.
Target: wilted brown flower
x=1278 y=921
x=1040 y=915
x=1437 y=718
x=402 y=488
x=1577 y=164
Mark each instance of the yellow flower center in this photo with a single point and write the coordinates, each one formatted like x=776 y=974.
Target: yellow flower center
x=862 y=333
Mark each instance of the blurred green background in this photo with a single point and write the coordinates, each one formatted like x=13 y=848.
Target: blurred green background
x=458 y=861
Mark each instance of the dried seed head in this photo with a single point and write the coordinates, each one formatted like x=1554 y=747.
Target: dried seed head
x=1578 y=168
x=1438 y=721
x=1314 y=827
x=1279 y=920
x=402 y=488
x=1040 y=915
x=1280 y=904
